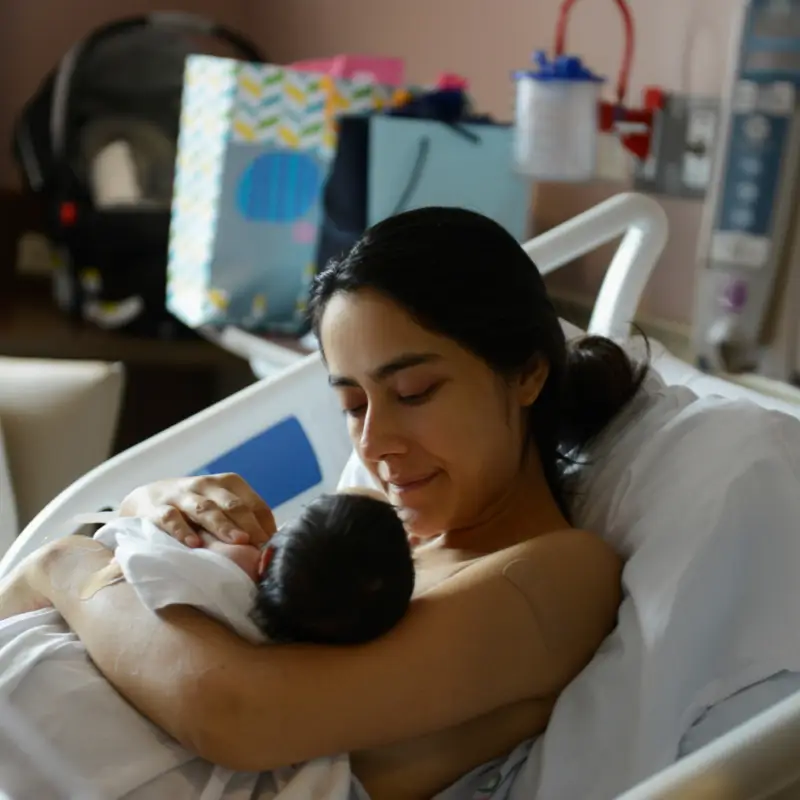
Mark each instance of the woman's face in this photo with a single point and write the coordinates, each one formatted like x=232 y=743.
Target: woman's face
x=433 y=423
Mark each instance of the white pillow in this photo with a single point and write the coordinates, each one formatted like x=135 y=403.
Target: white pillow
x=8 y=506
x=701 y=496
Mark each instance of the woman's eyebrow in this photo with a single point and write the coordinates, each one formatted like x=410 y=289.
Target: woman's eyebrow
x=405 y=361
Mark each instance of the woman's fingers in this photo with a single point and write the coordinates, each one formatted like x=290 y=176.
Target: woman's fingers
x=204 y=513
x=244 y=517
x=223 y=505
x=173 y=522
x=233 y=492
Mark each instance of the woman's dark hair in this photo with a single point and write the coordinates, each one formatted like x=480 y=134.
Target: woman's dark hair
x=341 y=573
x=461 y=275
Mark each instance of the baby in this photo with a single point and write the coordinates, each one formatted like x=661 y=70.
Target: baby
x=342 y=574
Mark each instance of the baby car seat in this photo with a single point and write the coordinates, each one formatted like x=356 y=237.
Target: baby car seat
x=97 y=145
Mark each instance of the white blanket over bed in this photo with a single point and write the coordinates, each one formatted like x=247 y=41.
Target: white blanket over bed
x=46 y=675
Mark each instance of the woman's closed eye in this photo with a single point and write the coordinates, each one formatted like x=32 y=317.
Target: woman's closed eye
x=355 y=411
x=420 y=397
x=358 y=408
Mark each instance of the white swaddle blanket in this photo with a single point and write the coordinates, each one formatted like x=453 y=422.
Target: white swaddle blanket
x=46 y=675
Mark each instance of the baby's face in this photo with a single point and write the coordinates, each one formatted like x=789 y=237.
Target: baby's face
x=245 y=556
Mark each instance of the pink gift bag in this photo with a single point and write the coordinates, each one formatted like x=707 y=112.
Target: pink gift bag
x=385 y=71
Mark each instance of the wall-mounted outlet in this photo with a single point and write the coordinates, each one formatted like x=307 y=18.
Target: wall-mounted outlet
x=682 y=152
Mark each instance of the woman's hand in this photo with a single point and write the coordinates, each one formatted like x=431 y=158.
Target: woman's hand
x=223 y=505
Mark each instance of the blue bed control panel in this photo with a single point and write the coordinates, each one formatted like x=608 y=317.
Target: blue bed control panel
x=279 y=463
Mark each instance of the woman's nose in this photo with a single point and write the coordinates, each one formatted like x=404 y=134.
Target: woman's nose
x=380 y=435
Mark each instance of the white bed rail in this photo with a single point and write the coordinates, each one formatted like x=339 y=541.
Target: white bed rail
x=758 y=760
x=644 y=227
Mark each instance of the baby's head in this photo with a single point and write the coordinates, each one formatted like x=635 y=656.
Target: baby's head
x=342 y=573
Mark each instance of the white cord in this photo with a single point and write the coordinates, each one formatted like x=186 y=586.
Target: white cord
x=721 y=333
x=97 y=518
x=696 y=25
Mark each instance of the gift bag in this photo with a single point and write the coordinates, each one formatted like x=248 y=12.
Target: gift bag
x=254 y=150
x=387 y=164
x=415 y=163
x=388 y=71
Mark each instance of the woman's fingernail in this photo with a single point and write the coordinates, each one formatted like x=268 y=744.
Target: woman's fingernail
x=192 y=540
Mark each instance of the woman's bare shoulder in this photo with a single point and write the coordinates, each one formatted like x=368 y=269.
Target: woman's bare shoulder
x=564 y=554
x=571 y=582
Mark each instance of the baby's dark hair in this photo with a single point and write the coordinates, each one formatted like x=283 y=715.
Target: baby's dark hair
x=341 y=573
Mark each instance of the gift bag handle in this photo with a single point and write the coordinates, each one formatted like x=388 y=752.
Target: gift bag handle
x=423 y=151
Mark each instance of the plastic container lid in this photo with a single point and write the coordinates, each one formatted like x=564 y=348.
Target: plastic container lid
x=561 y=68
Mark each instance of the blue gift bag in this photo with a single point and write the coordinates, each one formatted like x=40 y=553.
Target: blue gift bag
x=419 y=162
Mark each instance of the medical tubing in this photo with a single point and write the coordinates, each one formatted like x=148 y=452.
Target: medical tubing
x=630 y=37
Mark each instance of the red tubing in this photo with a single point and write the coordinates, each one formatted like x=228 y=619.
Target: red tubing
x=627 y=57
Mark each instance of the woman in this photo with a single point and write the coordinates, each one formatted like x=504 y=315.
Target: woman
x=465 y=403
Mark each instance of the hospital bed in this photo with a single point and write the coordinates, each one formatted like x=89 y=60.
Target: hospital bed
x=286 y=436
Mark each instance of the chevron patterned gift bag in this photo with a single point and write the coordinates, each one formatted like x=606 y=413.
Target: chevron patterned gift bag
x=255 y=147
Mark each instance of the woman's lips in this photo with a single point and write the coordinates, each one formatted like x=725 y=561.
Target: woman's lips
x=404 y=486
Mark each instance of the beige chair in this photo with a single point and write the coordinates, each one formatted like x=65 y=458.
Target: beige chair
x=57 y=421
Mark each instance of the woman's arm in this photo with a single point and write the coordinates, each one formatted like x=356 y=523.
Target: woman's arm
x=18 y=597
x=498 y=632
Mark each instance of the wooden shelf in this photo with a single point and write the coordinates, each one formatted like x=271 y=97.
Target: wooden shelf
x=32 y=327
x=166 y=381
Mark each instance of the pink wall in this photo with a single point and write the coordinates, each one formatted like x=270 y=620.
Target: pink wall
x=486 y=40
x=481 y=39
x=34 y=34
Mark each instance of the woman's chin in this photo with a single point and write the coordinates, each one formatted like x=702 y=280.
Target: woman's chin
x=420 y=523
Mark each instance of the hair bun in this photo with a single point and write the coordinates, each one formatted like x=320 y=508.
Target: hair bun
x=599 y=380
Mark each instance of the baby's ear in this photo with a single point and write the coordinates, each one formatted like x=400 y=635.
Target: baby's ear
x=267 y=554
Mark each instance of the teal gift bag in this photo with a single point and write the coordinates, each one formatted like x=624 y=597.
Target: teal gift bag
x=421 y=162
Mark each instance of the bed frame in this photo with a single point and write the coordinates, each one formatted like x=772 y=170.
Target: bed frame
x=290 y=420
